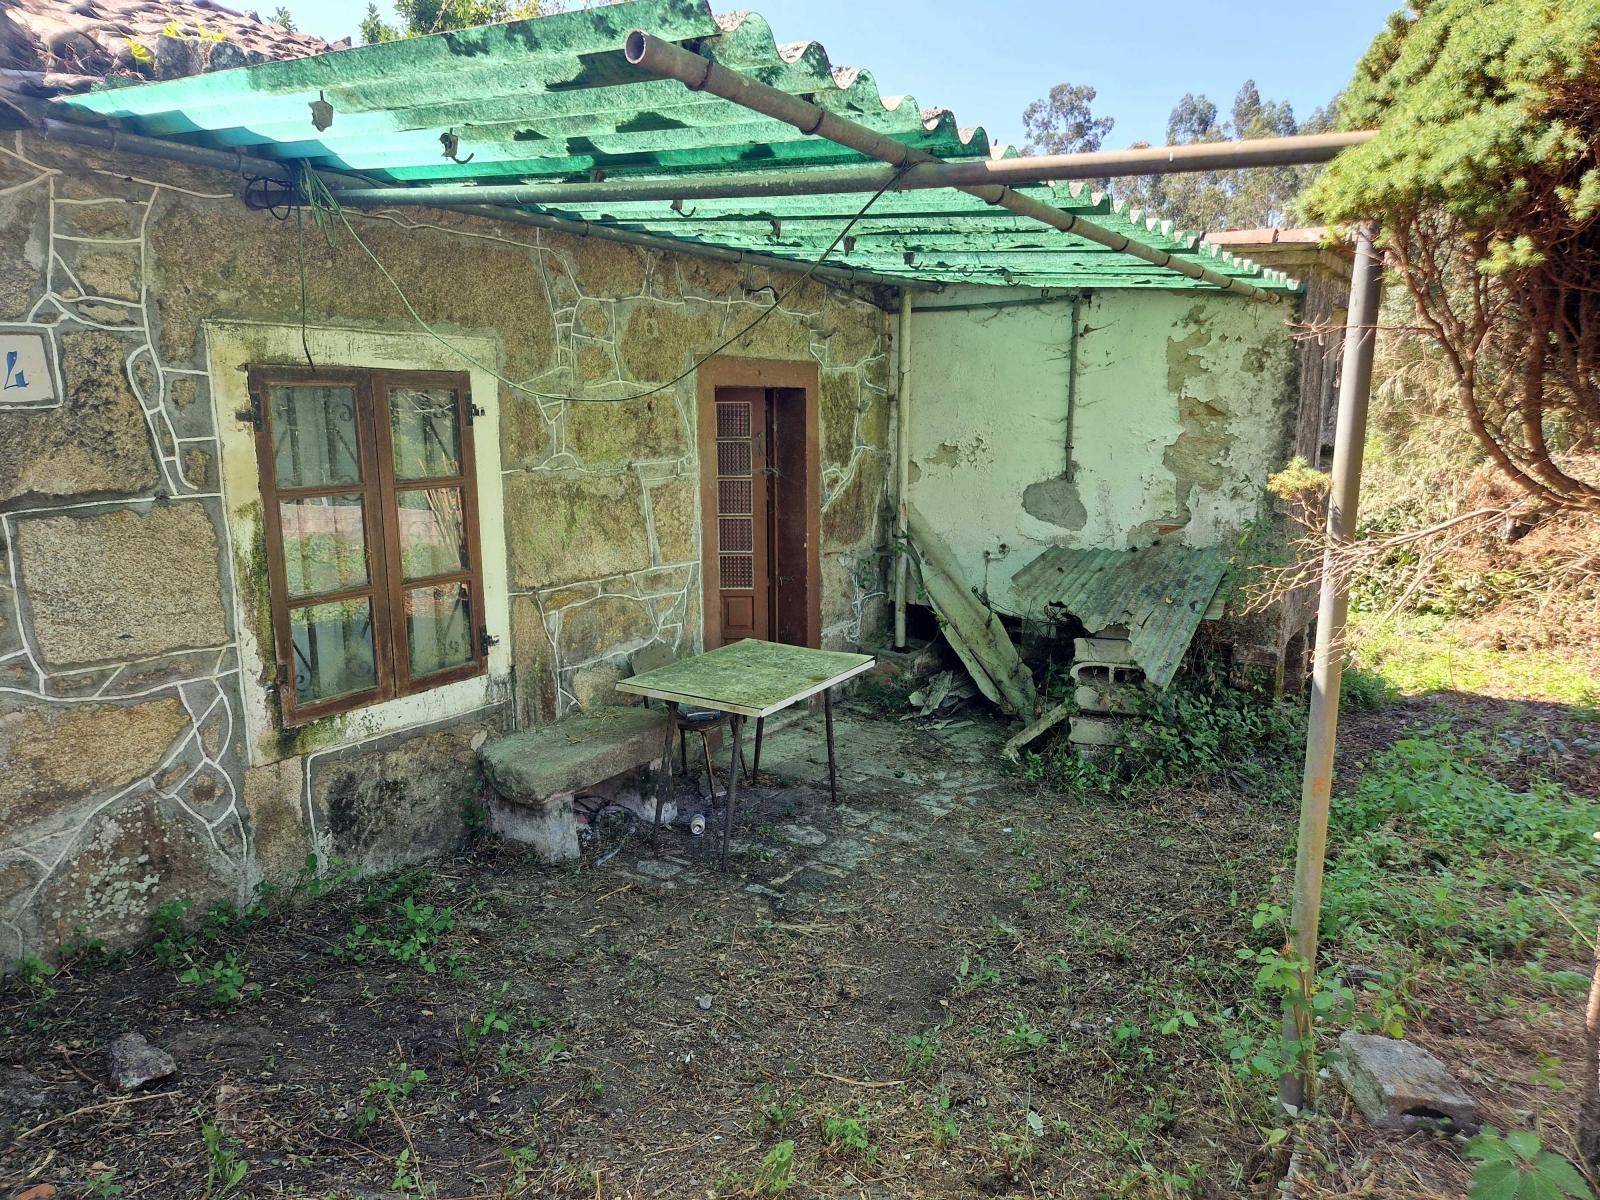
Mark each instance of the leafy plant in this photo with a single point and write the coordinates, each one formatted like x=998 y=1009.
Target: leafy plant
x=1022 y=1038
x=848 y=1134
x=223 y=980
x=921 y=1049
x=483 y=1027
x=776 y=1114
x=225 y=1169
x=1517 y=1167
x=775 y=1176
x=384 y=1090
x=973 y=973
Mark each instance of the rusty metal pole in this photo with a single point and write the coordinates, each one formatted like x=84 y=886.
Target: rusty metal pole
x=819 y=181
x=1355 y=386
x=902 y=453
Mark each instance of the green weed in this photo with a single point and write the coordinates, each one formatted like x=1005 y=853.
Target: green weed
x=225 y=1169
x=844 y=1135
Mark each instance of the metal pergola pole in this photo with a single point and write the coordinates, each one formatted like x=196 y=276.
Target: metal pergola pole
x=902 y=451
x=1355 y=386
x=701 y=74
x=1042 y=168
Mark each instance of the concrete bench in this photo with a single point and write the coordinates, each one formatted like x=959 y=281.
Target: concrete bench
x=536 y=773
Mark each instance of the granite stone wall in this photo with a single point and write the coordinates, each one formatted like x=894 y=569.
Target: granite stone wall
x=127 y=781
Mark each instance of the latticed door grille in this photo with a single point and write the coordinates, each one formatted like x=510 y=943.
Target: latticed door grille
x=736 y=527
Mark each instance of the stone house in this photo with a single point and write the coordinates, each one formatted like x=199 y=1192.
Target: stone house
x=300 y=504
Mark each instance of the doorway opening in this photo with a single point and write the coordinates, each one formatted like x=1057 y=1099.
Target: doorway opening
x=761 y=502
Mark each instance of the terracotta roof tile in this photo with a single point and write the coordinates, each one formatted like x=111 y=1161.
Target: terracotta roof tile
x=71 y=44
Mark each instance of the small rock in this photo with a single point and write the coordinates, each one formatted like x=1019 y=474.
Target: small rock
x=21 y=1091
x=704 y=1002
x=39 y=1191
x=1399 y=1085
x=134 y=1062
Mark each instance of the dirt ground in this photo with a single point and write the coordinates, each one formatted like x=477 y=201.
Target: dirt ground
x=954 y=984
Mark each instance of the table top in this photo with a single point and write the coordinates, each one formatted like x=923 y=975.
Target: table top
x=751 y=678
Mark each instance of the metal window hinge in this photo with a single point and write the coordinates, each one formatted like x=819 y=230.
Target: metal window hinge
x=485 y=641
x=251 y=416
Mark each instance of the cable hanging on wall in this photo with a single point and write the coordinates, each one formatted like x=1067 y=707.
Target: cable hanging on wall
x=326 y=212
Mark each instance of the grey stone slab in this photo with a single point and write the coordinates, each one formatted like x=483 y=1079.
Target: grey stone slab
x=1398 y=1085
x=574 y=753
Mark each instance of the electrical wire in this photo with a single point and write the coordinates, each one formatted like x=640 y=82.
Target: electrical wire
x=322 y=201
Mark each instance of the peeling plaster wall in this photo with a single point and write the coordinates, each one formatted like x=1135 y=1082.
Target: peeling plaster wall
x=1185 y=403
x=126 y=591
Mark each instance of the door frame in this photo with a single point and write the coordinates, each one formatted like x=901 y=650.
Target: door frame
x=727 y=371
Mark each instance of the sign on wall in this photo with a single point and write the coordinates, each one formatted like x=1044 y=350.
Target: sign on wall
x=27 y=370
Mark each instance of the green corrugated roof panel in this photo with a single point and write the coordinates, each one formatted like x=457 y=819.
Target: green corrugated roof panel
x=553 y=99
x=1160 y=594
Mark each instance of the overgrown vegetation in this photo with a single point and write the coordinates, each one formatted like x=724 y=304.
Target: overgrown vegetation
x=1200 y=730
x=1485 y=178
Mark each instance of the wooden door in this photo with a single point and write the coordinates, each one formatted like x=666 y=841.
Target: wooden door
x=743 y=513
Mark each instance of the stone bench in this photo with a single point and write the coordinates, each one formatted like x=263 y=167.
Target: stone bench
x=536 y=773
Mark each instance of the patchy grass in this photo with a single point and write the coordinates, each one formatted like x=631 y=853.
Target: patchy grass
x=1422 y=655
x=966 y=981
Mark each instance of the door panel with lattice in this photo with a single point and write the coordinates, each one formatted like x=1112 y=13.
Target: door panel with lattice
x=743 y=569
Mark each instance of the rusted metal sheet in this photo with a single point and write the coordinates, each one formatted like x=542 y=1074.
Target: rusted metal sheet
x=1160 y=594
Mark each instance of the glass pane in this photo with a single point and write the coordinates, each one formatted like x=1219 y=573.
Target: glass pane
x=423 y=422
x=314 y=436
x=332 y=650
x=324 y=544
x=433 y=537
x=438 y=627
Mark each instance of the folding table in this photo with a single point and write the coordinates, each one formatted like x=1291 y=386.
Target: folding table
x=745 y=679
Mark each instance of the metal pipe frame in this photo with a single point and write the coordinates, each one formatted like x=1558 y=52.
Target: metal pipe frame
x=1044 y=168
x=346 y=186
x=1355 y=388
x=701 y=74
x=902 y=468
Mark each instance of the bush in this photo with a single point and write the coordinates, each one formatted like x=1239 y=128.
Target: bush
x=1197 y=731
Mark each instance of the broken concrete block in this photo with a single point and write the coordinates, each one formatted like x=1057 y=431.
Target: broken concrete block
x=134 y=1062
x=1097 y=731
x=1399 y=1085
x=1105 y=648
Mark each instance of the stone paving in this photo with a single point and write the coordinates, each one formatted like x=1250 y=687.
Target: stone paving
x=896 y=781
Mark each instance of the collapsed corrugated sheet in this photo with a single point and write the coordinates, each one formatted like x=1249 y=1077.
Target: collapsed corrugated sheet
x=972 y=628
x=1160 y=594
x=553 y=99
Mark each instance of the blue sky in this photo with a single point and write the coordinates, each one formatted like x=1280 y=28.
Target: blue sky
x=986 y=61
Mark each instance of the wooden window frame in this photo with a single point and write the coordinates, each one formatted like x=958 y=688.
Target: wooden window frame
x=380 y=490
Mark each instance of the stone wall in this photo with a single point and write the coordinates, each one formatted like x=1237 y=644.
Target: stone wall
x=123 y=595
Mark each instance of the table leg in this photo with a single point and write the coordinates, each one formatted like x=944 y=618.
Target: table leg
x=736 y=731
x=711 y=772
x=664 y=784
x=833 y=770
x=755 y=763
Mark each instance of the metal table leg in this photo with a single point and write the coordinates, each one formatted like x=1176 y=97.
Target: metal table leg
x=736 y=732
x=833 y=770
x=664 y=784
x=755 y=762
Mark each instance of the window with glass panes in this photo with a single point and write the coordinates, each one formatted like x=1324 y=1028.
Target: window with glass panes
x=369 y=506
